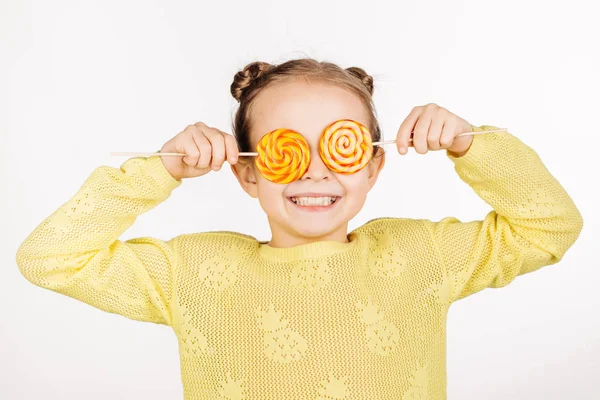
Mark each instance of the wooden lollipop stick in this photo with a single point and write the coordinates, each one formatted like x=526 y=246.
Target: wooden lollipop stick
x=252 y=154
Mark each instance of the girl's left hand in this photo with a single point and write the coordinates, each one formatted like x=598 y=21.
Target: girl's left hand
x=434 y=128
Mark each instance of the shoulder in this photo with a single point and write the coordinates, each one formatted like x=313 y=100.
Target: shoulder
x=408 y=234
x=400 y=247
x=395 y=227
x=220 y=244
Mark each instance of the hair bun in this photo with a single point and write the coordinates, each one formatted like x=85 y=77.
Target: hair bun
x=244 y=78
x=365 y=78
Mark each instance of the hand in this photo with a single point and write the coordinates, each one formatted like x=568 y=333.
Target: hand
x=434 y=128
x=206 y=150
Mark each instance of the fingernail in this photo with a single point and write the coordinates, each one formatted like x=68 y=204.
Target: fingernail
x=402 y=150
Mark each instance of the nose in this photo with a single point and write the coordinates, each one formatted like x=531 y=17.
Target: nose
x=317 y=170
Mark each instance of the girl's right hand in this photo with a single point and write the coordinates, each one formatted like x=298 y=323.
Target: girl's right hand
x=206 y=149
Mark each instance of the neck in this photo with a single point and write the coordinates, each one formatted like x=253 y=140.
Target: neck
x=285 y=238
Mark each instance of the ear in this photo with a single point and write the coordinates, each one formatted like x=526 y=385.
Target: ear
x=245 y=173
x=375 y=165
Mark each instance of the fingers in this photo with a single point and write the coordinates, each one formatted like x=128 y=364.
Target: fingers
x=217 y=143
x=189 y=146
x=435 y=131
x=447 y=136
x=231 y=148
x=433 y=128
x=406 y=129
x=214 y=146
x=420 y=133
x=204 y=148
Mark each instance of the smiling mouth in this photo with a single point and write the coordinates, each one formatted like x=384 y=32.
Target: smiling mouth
x=314 y=201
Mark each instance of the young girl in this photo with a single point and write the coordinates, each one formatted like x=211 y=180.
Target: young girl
x=315 y=312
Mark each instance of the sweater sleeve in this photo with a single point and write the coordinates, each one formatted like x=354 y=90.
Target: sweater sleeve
x=532 y=224
x=76 y=251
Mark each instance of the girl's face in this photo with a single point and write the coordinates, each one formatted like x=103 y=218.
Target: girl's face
x=294 y=218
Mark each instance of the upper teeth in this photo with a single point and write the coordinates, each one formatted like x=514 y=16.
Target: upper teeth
x=313 y=201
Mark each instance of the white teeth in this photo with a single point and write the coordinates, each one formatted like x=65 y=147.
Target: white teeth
x=313 y=201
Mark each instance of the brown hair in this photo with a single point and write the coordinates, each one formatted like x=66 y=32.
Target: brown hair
x=255 y=76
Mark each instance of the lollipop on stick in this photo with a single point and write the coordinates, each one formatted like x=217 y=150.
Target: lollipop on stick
x=254 y=154
x=284 y=155
x=346 y=146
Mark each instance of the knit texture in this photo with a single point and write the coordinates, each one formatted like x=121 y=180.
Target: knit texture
x=325 y=320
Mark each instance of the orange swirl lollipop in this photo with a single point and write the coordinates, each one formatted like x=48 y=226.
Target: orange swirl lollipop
x=283 y=156
x=346 y=146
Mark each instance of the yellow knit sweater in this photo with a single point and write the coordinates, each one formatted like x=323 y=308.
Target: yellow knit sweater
x=325 y=320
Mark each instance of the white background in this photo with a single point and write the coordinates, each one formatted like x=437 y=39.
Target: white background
x=80 y=79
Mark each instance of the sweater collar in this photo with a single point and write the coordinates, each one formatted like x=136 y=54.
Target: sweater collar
x=308 y=250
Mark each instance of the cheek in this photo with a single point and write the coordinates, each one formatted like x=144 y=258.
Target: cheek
x=270 y=194
x=355 y=184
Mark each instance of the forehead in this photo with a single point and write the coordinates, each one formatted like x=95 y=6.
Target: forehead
x=304 y=107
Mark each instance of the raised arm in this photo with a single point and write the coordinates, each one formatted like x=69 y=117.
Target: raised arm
x=76 y=250
x=533 y=222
